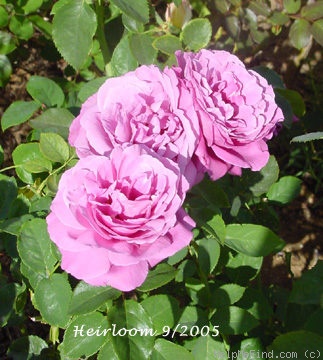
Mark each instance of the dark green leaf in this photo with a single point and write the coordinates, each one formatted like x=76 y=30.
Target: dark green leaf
x=52 y=298
x=163 y=311
x=7 y=296
x=54 y=147
x=134 y=326
x=208 y=348
x=317 y=31
x=300 y=33
x=295 y=99
x=286 y=108
x=208 y=254
x=166 y=350
x=27 y=347
x=5 y=70
x=314 y=322
x=4 y=17
x=84 y=336
x=226 y=295
x=191 y=316
x=212 y=193
x=87 y=298
x=18 y=112
x=233 y=320
x=13 y=225
x=270 y=75
x=279 y=18
x=161 y=275
x=45 y=91
x=90 y=88
x=318 y=135
x=167 y=44
x=197 y=34
x=252 y=347
x=74 y=23
x=54 y=120
x=1 y=155
x=131 y=24
x=253 y=240
x=142 y=48
x=260 y=7
x=232 y=26
x=285 y=190
x=301 y=342
x=122 y=59
x=138 y=9
x=8 y=192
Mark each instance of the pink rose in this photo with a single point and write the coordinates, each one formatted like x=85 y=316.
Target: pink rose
x=236 y=108
x=145 y=106
x=114 y=218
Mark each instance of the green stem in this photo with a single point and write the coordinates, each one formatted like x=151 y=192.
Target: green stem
x=9 y=168
x=99 y=9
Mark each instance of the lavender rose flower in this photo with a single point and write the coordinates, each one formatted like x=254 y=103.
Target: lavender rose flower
x=114 y=218
x=146 y=106
x=236 y=108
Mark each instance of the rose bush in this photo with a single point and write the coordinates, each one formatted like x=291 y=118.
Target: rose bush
x=113 y=218
x=236 y=109
x=146 y=106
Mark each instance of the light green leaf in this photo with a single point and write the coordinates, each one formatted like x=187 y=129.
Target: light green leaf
x=138 y=9
x=196 y=34
x=300 y=33
x=5 y=70
x=74 y=23
x=317 y=31
x=292 y=6
x=163 y=311
x=208 y=348
x=28 y=159
x=131 y=24
x=191 y=316
x=253 y=240
x=122 y=59
x=45 y=91
x=52 y=298
x=54 y=147
x=233 y=320
x=84 y=336
x=54 y=120
x=18 y=112
x=142 y=48
x=167 y=44
x=285 y=190
x=87 y=298
x=252 y=347
x=35 y=248
x=21 y=27
x=32 y=5
x=318 y=135
x=208 y=254
x=166 y=350
x=313 y=11
x=227 y=294
x=131 y=320
x=161 y=275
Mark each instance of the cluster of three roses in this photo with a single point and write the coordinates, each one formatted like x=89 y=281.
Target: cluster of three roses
x=144 y=139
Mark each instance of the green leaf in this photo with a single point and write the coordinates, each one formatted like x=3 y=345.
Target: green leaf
x=13 y=224
x=300 y=33
x=35 y=248
x=133 y=339
x=253 y=240
x=21 y=27
x=256 y=303
x=292 y=6
x=208 y=254
x=107 y=352
x=279 y=18
x=270 y=75
x=314 y=322
x=196 y=34
x=1 y=155
x=142 y=48
x=263 y=179
x=233 y=320
x=309 y=288
x=232 y=25
x=207 y=348
x=313 y=11
x=301 y=342
x=54 y=120
x=166 y=350
x=28 y=159
x=32 y=5
x=8 y=296
x=122 y=60
x=286 y=108
x=260 y=8
x=167 y=44
x=285 y=190
x=163 y=311
x=18 y=112
x=84 y=336
x=191 y=316
x=138 y=9
x=33 y=277
x=131 y=24
x=7 y=42
x=242 y=268
x=212 y=193
x=42 y=25
x=5 y=70
x=52 y=298
x=8 y=193
x=74 y=23
x=87 y=298
x=252 y=347
x=90 y=88
x=226 y=295
x=161 y=275
x=318 y=135
x=295 y=99
x=45 y=91
x=27 y=347
x=54 y=147
x=317 y=31
x=4 y=17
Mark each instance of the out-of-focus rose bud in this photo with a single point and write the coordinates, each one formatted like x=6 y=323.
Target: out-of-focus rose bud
x=178 y=16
